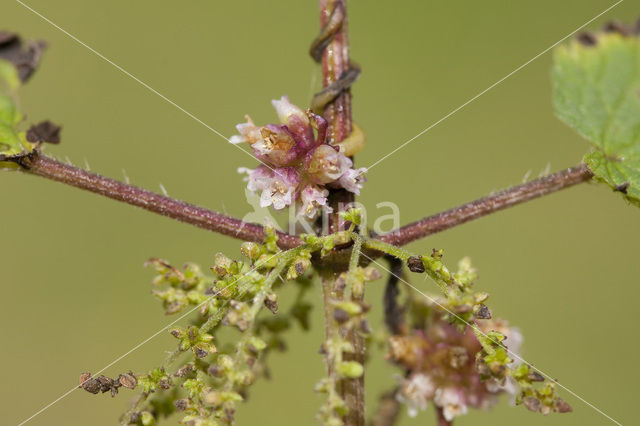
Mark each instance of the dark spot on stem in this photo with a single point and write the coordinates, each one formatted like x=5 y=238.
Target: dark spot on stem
x=341 y=316
x=415 y=264
x=622 y=187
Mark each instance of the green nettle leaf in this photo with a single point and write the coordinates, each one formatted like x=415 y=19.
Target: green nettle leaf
x=12 y=141
x=597 y=92
x=9 y=75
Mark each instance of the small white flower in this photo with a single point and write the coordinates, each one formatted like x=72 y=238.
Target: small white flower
x=451 y=401
x=313 y=198
x=257 y=179
x=416 y=391
x=249 y=132
x=279 y=186
x=353 y=179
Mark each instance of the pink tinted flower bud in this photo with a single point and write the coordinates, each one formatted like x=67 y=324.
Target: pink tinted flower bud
x=296 y=120
x=326 y=165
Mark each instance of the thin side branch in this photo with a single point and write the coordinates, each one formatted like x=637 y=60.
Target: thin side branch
x=47 y=167
x=488 y=205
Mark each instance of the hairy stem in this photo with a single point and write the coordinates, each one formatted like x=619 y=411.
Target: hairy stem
x=47 y=167
x=488 y=205
x=336 y=63
x=353 y=389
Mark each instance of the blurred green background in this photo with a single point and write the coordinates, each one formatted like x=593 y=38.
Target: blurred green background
x=75 y=295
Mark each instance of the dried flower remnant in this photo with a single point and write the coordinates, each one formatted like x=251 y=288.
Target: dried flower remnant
x=297 y=167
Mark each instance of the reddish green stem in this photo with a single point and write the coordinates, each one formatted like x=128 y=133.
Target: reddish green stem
x=41 y=165
x=488 y=205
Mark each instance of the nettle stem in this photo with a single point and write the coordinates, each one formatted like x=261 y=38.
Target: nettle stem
x=335 y=64
x=488 y=205
x=47 y=167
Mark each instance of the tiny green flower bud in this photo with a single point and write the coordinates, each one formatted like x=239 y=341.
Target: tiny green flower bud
x=357 y=288
x=231 y=397
x=211 y=397
x=351 y=308
x=251 y=250
x=256 y=344
x=322 y=386
x=371 y=274
x=267 y=261
x=147 y=419
x=350 y=369
x=341 y=237
x=221 y=265
x=226 y=362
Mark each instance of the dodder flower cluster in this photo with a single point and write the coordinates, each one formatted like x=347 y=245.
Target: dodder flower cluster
x=297 y=166
x=442 y=363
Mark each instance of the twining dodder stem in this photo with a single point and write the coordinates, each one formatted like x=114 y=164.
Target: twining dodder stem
x=41 y=165
x=488 y=205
